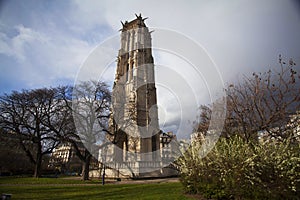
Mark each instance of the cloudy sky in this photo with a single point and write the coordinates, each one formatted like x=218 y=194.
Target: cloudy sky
x=44 y=43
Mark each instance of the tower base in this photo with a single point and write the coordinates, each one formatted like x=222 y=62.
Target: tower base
x=136 y=170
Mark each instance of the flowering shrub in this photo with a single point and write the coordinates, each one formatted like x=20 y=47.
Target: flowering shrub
x=235 y=169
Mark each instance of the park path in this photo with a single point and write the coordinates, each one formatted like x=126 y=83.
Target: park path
x=108 y=182
x=147 y=181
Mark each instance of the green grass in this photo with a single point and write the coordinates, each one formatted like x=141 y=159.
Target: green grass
x=29 y=180
x=62 y=191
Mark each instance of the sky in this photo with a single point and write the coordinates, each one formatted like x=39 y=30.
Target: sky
x=44 y=43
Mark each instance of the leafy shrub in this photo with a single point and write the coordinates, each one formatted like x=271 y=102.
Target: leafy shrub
x=235 y=169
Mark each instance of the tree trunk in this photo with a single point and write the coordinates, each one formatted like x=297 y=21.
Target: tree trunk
x=38 y=163
x=86 y=168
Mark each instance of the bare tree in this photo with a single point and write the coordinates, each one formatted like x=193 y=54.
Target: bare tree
x=262 y=103
x=90 y=107
x=202 y=122
x=30 y=114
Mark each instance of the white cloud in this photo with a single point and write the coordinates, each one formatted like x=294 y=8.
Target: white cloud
x=16 y=46
x=5 y=47
x=42 y=58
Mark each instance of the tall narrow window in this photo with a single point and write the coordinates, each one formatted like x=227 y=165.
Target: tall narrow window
x=127 y=72
x=132 y=40
x=132 y=69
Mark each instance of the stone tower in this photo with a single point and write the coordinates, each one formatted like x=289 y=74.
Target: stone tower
x=134 y=121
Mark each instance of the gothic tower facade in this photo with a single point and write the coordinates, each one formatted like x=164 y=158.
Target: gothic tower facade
x=134 y=121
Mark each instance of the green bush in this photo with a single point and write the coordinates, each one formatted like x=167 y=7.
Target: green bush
x=235 y=169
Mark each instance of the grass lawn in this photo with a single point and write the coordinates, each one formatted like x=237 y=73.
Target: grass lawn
x=29 y=180
x=29 y=188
